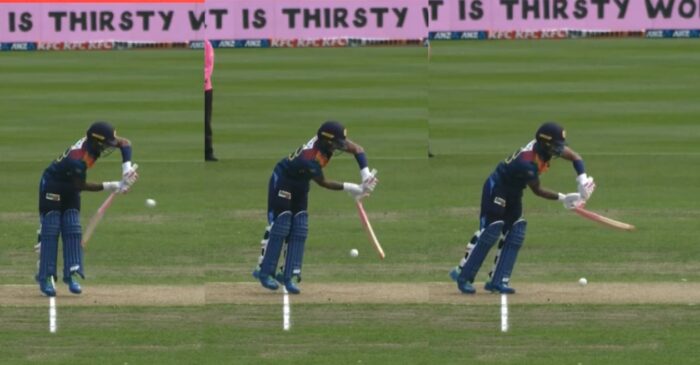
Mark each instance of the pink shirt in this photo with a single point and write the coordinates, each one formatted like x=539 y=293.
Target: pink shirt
x=208 y=64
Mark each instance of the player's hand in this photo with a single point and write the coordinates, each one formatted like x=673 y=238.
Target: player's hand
x=369 y=185
x=130 y=177
x=356 y=191
x=124 y=188
x=586 y=186
x=115 y=187
x=129 y=174
x=571 y=200
x=369 y=180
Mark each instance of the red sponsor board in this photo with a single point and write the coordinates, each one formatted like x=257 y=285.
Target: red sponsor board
x=74 y=46
x=528 y=34
x=309 y=43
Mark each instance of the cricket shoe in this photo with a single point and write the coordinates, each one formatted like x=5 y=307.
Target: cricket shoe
x=73 y=284
x=503 y=288
x=463 y=285
x=291 y=287
x=268 y=282
x=46 y=287
x=289 y=284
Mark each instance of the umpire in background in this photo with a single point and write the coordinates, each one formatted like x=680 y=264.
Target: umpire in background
x=208 y=100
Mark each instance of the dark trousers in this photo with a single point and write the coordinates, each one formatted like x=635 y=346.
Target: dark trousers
x=498 y=203
x=208 y=145
x=286 y=195
x=58 y=196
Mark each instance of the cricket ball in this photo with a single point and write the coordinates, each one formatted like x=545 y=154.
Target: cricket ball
x=150 y=203
x=582 y=281
x=354 y=252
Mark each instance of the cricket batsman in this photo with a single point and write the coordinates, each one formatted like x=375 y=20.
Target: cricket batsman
x=59 y=202
x=287 y=202
x=501 y=206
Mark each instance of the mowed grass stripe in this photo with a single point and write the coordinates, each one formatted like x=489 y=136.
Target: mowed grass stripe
x=55 y=96
x=263 y=100
x=587 y=85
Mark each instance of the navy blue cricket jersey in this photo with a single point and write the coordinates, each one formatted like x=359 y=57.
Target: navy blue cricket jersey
x=524 y=166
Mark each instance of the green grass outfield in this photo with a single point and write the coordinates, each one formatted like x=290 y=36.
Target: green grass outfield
x=630 y=109
x=153 y=98
x=269 y=103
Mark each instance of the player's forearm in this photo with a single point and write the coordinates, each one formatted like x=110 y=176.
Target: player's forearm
x=88 y=186
x=360 y=156
x=576 y=159
x=125 y=148
x=334 y=185
x=94 y=186
x=352 y=147
x=328 y=184
x=547 y=194
x=570 y=155
x=542 y=192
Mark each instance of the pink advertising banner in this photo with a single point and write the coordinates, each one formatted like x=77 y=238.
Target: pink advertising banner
x=222 y=19
x=617 y=15
x=396 y=19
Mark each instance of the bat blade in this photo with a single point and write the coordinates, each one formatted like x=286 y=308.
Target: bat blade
x=608 y=222
x=95 y=220
x=368 y=228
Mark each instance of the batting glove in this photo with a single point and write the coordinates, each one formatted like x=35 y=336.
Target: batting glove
x=365 y=173
x=369 y=180
x=129 y=174
x=355 y=191
x=115 y=187
x=571 y=200
x=586 y=186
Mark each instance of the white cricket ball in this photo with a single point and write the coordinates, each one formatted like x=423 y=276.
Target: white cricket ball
x=354 y=252
x=582 y=281
x=150 y=203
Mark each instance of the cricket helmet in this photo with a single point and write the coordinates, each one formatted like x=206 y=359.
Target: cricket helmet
x=332 y=135
x=101 y=137
x=551 y=138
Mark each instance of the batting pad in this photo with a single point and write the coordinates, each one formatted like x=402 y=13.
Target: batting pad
x=476 y=258
x=50 y=228
x=72 y=250
x=295 y=246
x=509 y=253
x=278 y=233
